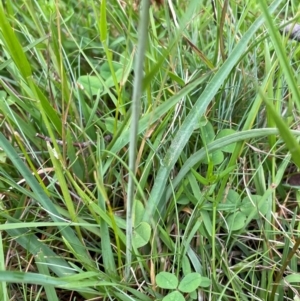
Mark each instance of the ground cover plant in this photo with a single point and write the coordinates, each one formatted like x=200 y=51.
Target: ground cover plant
x=149 y=150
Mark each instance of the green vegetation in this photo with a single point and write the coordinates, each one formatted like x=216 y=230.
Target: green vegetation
x=149 y=154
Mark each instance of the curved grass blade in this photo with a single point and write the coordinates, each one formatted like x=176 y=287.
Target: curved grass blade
x=286 y=134
x=3 y=289
x=218 y=145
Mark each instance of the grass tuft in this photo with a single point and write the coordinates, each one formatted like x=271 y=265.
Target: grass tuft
x=149 y=151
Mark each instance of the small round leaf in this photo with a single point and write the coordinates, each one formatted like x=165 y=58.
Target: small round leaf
x=186 y=265
x=166 y=280
x=141 y=235
x=138 y=212
x=233 y=197
x=236 y=221
x=91 y=84
x=205 y=282
x=216 y=157
x=248 y=206
x=190 y=282
x=174 y=296
x=223 y=133
x=292 y=278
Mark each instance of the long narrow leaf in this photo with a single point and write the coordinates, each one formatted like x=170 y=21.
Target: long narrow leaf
x=291 y=143
x=3 y=290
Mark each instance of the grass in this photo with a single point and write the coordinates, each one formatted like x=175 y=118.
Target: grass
x=148 y=154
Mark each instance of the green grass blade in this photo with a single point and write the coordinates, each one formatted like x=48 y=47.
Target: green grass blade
x=33 y=245
x=103 y=22
x=46 y=280
x=3 y=289
x=286 y=134
x=13 y=45
x=108 y=257
x=43 y=269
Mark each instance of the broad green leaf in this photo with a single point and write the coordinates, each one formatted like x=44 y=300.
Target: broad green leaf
x=293 y=278
x=216 y=158
x=110 y=124
x=141 y=235
x=236 y=221
x=224 y=133
x=183 y=200
x=174 y=296
x=138 y=212
x=233 y=197
x=110 y=81
x=105 y=71
x=91 y=84
x=166 y=280
x=193 y=295
x=205 y=282
x=207 y=133
x=83 y=281
x=202 y=122
x=186 y=266
x=248 y=206
x=190 y=282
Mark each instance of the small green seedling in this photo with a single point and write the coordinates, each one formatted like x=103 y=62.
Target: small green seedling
x=237 y=219
x=188 y=285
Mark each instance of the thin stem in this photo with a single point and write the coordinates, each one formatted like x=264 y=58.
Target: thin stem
x=137 y=89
